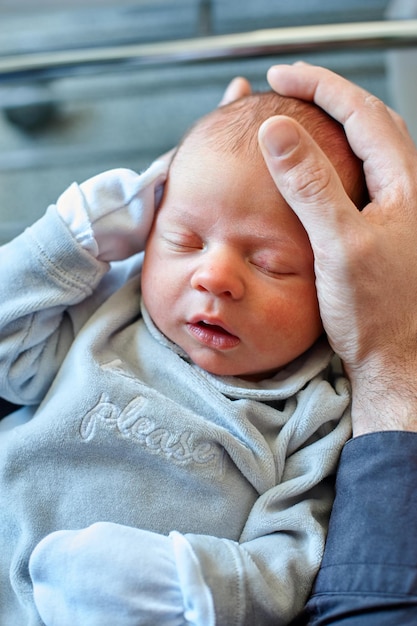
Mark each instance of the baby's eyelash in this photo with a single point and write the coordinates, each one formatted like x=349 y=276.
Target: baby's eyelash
x=180 y=242
x=272 y=269
x=267 y=270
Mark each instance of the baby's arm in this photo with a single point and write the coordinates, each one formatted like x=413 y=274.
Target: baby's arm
x=135 y=577
x=51 y=276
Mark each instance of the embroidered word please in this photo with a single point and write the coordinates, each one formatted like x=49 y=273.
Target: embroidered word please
x=131 y=423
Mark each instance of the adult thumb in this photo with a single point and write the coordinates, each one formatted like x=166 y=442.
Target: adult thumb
x=306 y=179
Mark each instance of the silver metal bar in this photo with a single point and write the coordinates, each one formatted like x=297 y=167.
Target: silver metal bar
x=268 y=42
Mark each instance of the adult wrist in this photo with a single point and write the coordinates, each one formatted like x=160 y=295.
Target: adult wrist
x=384 y=399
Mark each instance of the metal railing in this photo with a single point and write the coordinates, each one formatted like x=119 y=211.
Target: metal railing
x=267 y=42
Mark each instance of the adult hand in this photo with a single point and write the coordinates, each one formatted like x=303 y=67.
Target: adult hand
x=365 y=263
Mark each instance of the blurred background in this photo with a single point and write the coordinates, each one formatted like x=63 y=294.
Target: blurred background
x=63 y=125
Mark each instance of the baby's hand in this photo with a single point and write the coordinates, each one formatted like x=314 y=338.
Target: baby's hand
x=106 y=574
x=111 y=214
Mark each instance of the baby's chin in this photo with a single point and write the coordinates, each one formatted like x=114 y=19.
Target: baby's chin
x=230 y=370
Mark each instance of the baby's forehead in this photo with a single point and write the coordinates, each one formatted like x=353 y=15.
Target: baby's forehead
x=202 y=144
x=217 y=189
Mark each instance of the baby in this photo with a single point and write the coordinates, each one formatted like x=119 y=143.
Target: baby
x=185 y=421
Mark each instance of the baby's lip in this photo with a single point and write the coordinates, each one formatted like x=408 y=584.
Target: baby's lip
x=210 y=321
x=212 y=331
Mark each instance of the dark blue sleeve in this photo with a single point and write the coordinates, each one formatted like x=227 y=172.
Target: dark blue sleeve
x=368 y=575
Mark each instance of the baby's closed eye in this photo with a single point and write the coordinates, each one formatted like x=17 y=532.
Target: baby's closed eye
x=273 y=263
x=183 y=241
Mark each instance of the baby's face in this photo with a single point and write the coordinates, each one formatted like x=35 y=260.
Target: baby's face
x=228 y=272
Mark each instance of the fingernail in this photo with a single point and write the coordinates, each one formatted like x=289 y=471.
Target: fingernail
x=279 y=136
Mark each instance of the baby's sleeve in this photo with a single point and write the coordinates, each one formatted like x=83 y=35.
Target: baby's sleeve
x=43 y=272
x=52 y=275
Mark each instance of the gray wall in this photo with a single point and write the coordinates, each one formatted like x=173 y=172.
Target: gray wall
x=126 y=118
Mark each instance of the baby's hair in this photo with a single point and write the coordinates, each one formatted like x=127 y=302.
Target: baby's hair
x=233 y=128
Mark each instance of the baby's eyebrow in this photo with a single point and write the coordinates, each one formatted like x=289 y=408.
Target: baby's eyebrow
x=272 y=240
x=172 y=213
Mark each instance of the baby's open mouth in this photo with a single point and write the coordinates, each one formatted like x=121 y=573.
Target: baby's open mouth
x=213 y=335
x=213 y=327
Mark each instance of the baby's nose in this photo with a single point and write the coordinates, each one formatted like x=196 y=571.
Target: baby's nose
x=220 y=273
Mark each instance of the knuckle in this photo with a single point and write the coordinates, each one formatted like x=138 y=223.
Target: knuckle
x=367 y=105
x=372 y=102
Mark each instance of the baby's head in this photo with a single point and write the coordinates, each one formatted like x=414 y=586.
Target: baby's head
x=229 y=272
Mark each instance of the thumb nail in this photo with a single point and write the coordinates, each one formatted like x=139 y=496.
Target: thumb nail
x=279 y=136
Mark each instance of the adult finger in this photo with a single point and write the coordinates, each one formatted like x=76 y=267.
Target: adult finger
x=237 y=88
x=307 y=180
x=372 y=129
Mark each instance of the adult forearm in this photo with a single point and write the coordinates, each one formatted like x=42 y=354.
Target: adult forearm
x=369 y=570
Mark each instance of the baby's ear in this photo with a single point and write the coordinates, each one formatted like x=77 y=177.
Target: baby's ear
x=166 y=160
x=159 y=193
x=237 y=88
